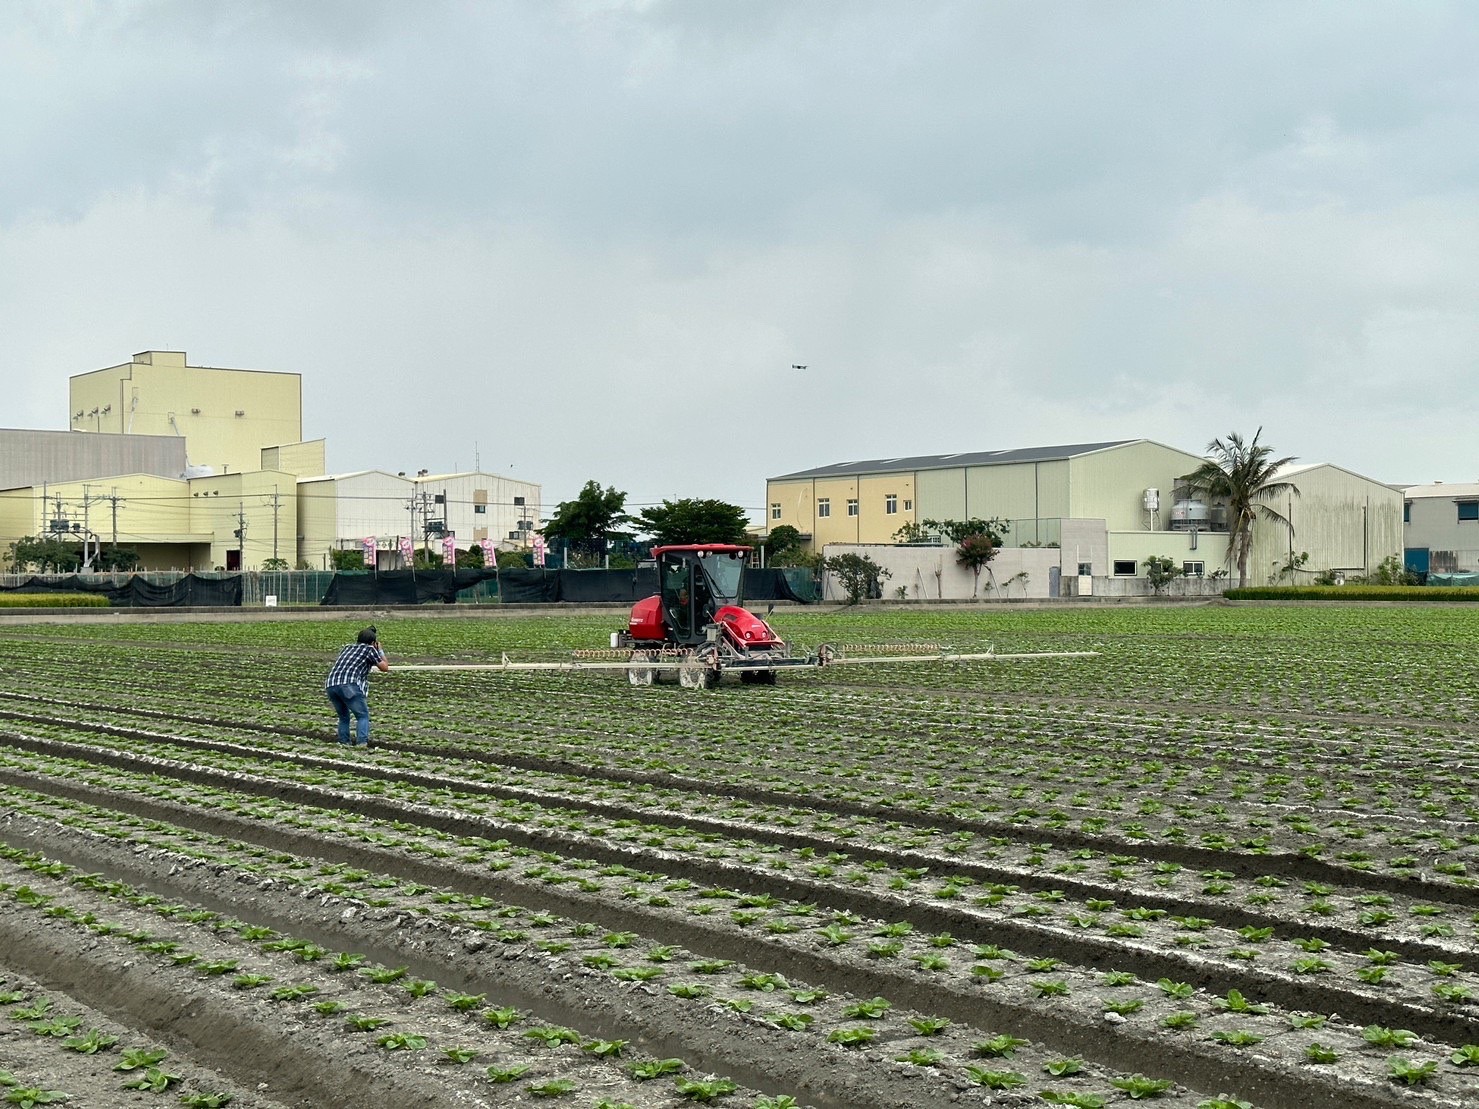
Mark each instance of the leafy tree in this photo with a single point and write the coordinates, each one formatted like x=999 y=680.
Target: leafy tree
x=473 y=556
x=1160 y=571
x=1290 y=568
x=958 y=531
x=1242 y=475
x=426 y=560
x=513 y=560
x=953 y=531
x=121 y=559
x=274 y=564
x=858 y=575
x=782 y=539
x=915 y=534
x=45 y=554
x=590 y=521
x=975 y=551
x=690 y=520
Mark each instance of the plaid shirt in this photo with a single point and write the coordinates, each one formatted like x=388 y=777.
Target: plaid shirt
x=354 y=664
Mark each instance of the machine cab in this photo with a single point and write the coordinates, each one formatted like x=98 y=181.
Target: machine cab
x=695 y=582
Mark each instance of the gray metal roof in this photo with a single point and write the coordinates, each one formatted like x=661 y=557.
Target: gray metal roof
x=951 y=461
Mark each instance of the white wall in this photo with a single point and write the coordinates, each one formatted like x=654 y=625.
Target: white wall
x=931 y=573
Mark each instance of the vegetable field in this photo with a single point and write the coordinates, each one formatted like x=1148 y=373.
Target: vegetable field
x=1229 y=861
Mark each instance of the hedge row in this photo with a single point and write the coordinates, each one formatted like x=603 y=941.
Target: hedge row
x=53 y=600
x=1354 y=593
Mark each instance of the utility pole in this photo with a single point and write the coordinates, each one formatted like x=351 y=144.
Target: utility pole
x=412 y=507
x=116 y=500
x=241 y=532
x=276 y=506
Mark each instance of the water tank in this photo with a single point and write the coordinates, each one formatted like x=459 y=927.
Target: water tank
x=1152 y=500
x=1188 y=514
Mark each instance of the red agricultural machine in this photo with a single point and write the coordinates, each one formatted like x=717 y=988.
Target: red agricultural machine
x=697 y=623
x=696 y=626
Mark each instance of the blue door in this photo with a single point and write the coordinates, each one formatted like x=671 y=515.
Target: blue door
x=1416 y=559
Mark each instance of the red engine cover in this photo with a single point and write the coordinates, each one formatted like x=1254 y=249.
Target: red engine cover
x=746 y=630
x=646 y=621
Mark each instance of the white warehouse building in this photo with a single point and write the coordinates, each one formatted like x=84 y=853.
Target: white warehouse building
x=341 y=511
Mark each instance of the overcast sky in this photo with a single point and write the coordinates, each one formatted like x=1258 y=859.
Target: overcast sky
x=591 y=240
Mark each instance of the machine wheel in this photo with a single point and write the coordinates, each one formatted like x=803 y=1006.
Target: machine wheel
x=700 y=669
x=758 y=677
x=641 y=675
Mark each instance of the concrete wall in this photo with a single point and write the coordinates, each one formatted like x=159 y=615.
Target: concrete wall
x=931 y=573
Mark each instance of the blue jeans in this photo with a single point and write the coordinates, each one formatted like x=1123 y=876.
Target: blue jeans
x=348 y=699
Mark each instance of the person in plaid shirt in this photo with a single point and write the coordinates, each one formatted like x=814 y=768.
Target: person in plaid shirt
x=348 y=686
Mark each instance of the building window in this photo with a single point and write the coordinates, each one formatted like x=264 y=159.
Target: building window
x=824 y=506
x=891 y=503
x=1085 y=569
x=1193 y=569
x=1468 y=510
x=852 y=506
x=1124 y=567
x=775 y=512
x=518 y=500
x=908 y=506
x=1407 y=512
x=479 y=510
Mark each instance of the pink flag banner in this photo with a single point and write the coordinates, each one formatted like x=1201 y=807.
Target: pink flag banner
x=490 y=557
x=369 y=545
x=408 y=550
x=449 y=551
x=539 y=550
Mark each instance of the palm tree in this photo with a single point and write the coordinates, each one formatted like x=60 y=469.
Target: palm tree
x=1243 y=477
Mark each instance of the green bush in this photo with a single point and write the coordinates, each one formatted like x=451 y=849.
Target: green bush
x=1354 y=593
x=53 y=600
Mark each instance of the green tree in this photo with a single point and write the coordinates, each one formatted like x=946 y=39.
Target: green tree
x=858 y=575
x=45 y=555
x=1243 y=476
x=976 y=551
x=933 y=532
x=690 y=520
x=784 y=547
x=274 y=564
x=1160 y=571
x=589 y=522
x=351 y=559
x=472 y=557
x=119 y=559
x=514 y=560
